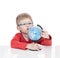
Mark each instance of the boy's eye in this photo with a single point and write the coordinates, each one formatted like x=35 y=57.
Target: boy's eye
x=29 y=23
x=24 y=24
x=21 y=24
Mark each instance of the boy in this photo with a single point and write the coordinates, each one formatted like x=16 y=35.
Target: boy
x=21 y=40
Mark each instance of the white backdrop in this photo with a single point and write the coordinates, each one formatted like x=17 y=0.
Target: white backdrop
x=44 y=12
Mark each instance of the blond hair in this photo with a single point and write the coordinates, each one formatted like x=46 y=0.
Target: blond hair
x=22 y=16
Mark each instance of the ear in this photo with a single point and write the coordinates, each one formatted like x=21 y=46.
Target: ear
x=18 y=28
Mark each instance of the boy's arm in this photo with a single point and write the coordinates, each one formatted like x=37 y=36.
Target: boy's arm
x=46 y=41
x=15 y=42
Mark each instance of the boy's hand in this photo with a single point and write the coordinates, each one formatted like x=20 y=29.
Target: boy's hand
x=33 y=46
x=45 y=34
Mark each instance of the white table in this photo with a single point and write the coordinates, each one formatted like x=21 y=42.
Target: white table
x=57 y=51
x=7 y=52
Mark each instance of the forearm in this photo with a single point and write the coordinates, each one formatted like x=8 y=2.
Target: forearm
x=17 y=44
x=46 y=41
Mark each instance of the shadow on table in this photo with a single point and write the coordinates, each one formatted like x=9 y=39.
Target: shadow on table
x=44 y=53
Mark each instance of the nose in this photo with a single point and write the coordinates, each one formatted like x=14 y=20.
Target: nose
x=27 y=25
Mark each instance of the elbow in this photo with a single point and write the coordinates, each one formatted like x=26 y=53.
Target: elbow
x=49 y=43
x=12 y=44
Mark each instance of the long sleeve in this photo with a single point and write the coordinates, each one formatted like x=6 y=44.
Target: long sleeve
x=16 y=42
x=46 y=42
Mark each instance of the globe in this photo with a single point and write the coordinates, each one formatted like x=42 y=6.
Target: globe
x=35 y=33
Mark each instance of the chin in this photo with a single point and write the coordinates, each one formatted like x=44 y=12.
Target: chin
x=25 y=32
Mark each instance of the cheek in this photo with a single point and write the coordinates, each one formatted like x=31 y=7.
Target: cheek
x=31 y=26
x=22 y=28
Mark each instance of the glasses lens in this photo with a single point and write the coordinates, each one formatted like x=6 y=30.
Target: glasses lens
x=23 y=24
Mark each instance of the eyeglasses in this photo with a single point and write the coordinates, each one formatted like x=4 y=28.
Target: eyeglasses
x=23 y=24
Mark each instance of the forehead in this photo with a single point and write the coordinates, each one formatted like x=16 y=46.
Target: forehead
x=26 y=20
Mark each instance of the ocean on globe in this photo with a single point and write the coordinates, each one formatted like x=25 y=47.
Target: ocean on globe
x=35 y=33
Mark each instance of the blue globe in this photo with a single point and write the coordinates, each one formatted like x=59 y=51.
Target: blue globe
x=35 y=33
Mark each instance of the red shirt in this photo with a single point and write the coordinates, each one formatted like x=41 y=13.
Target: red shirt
x=19 y=42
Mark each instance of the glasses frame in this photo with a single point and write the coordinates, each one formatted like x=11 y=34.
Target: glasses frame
x=23 y=24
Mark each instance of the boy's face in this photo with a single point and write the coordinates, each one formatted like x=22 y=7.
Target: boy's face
x=24 y=25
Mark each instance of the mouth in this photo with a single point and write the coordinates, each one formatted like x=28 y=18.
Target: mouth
x=27 y=28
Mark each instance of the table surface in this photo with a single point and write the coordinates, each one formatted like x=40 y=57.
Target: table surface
x=57 y=51
x=46 y=52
